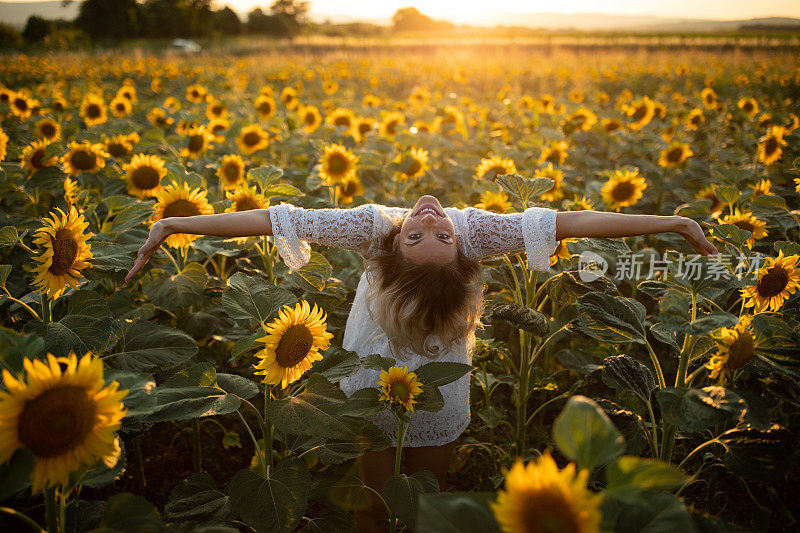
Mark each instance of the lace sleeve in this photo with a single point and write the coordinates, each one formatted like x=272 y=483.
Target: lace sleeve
x=294 y=227
x=533 y=231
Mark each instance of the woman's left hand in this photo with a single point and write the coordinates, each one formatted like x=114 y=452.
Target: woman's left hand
x=694 y=235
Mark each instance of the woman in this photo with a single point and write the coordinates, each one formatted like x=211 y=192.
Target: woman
x=424 y=285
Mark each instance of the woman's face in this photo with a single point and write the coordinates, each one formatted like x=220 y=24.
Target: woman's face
x=427 y=233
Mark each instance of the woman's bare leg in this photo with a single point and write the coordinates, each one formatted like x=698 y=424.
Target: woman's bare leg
x=376 y=468
x=433 y=458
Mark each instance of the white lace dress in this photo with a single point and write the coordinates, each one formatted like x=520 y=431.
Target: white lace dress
x=482 y=234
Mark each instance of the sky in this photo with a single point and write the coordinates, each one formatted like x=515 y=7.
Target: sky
x=462 y=10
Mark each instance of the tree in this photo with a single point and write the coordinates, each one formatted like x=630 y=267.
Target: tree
x=108 y=19
x=227 y=21
x=177 y=18
x=274 y=25
x=9 y=37
x=293 y=14
x=36 y=29
x=410 y=19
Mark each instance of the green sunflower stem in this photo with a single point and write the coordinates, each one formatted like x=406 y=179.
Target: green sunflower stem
x=198 y=451
x=46 y=317
x=267 y=258
x=51 y=510
x=401 y=434
x=25 y=518
x=268 y=434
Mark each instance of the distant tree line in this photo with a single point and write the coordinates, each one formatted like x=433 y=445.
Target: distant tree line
x=116 y=20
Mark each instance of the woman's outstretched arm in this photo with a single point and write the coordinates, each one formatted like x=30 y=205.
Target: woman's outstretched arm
x=590 y=223
x=236 y=224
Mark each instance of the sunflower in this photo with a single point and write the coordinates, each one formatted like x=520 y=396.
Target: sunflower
x=93 y=110
x=709 y=98
x=452 y=120
x=64 y=413
x=177 y=200
x=120 y=106
x=3 y=144
x=748 y=105
x=496 y=202
x=143 y=175
x=611 y=125
x=777 y=279
x=415 y=163
x=764 y=121
x=22 y=105
x=580 y=204
x=216 y=109
x=556 y=153
x=555 y=192
x=293 y=342
x=623 y=188
x=735 y=347
x=199 y=140
x=33 y=157
x=245 y=198
x=83 y=157
x=390 y=124
x=793 y=124
x=330 y=87
x=310 y=118
x=746 y=221
x=172 y=103
x=347 y=189
x=127 y=92
x=659 y=110
x=398 y=385
x=121 y=145
x=419 y=96
x=576 y=95
x=674 y=154
x=289 y=97
x=796 y=181
x=183 y=126
x=762 y=187
x=694 y=119
x=370 y=100
x=48 y=129
x=65 y=252
x=496 y=164
x=231 y=171
x=562 y=252
x=337 y=164
x=641 y=112
x=216 y=126
x=547 y=104
x=158 y=117
x=70 y=191
x=341 y=118
x=252 y=138
x=709 y=193
x=420 y=126
x=196 y=93
x=581 y=120
x=770 y=145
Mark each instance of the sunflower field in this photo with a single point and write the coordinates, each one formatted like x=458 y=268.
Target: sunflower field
x=203 y=396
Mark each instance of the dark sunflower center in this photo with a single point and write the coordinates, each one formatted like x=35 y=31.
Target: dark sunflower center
x=771 y=145
x=745 y=225
x=578 y=120
x=56 y=421
x=216 y=128
x=181 y=208
x=216 y=110
x=21 y=104
x=623 y=191
x=337 y=163
x=498 y=170
x=195 y=94
x=675 y=155
x=424 y=128
x=251 y=138
x=92 y=111
x=773 y=283
x=65 y=250
x=48 y=129
x=554 y=156
x=494 y=206
x=121 y=107
x=748 y=107
x=415 y=167
x=145 y=177
x=310 y=118
x=117 y=149
x=196 y=143
x=265 y=108
x=84 y=160
x=231 y=171
x=696 y=119
x=37 y=158
x=611 y=126
x=741 y=350
x=348 y=188
x=342 y=121
x=391 y=127
x=640 y=113
x=549 y=513
x=366 y=127
x=246 y=204
x=399 y=390
x=293 y=346
x=58 y=106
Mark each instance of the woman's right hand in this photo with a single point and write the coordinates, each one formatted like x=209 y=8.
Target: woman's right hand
x=158 y=233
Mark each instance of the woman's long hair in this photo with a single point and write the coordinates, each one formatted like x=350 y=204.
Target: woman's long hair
x=415 y=303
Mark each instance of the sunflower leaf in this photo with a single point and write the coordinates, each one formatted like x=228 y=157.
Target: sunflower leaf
x=402 y=493
x=377 y=362
x=611 y=318
x=145 y=345
x=363 y=402
x=438 y=373
x=178 y=290
x=451 y=512
x=694 y=410
x=585 y=434
x=248 y=296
